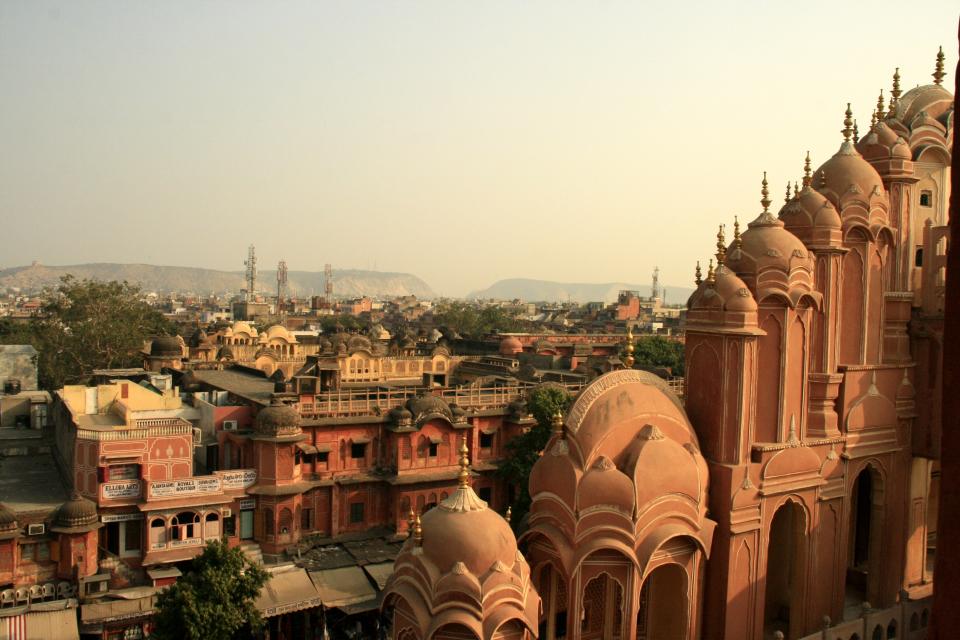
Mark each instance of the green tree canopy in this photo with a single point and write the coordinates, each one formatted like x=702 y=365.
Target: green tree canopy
x=85 y=325
x=213 y=600
x=657 y=351
x=468 y=320
x=523 y=451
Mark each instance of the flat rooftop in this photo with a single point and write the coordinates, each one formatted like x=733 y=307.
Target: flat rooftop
x=31 y=484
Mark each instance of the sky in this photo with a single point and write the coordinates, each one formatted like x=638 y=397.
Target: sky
x=463 y=142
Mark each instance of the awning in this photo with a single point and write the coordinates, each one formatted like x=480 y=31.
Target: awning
x=324 y=447
x=42 y=625
x=343 y=586
x=110 y=610
x=287 y=592
x=360 y=440
x=309 y=449
x=436 y=439
x=379 y=572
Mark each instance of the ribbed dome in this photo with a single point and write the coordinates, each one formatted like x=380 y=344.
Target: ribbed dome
x=765 y=245
x=278 y=419
x=426 y=407
x=510 y=345
x=883 y=143
x=8 y=519
x=811 y=217
x=401 y=416
x=847 y=172
x=932 y=98
x=727 y=293
x=166 y=347
x=76 y=512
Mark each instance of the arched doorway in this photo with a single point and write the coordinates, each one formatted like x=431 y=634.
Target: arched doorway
x=553 y=593
x=664 y=612
x=786 y=557
x=863 y=544
x=602 y=617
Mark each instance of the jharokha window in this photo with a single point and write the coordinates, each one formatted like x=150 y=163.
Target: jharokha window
x=185 y=526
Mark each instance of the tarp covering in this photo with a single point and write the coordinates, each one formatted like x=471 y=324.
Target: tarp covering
x=113 y=610
x=287 y=592
x=42 y=625
x=379 y=572
x=343 y=586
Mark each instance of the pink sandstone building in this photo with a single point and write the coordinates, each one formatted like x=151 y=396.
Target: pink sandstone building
x=793 y=493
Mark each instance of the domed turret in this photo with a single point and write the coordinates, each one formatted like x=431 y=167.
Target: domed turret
x=810 y=216
x=461 y=568
x=76 y=515
x=166 y=347
x=510 y=346
x=427 y=407
x=277 y=420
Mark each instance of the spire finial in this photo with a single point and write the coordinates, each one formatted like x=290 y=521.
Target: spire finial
x=880 y=113
x=464 y=476
x=411 y=520
x=508 y=514
x=856 y=132
x=796 y=190
x=711 y=276
x=806 y=171
x=417 y=532
x=737 y=240
x=786 y=198
x=556 y=422
x=848 y=123
x=698 y=275
x=895 y=93
x=721 y=247
x=873 y=120
x=765 y=200
x=938 y=72
x=628 y=360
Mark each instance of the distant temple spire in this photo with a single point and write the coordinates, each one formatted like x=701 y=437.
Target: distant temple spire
x=806 y=171
x=698 y=276
x=938 y=72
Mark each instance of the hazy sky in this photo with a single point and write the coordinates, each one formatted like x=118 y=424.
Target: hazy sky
x=461 y=141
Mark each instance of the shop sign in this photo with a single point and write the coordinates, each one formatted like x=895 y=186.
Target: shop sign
x=237 y=479
x=158 y=546
x=294 y=606
x=123 y=472
x=248 y=503
x=189 y=542
x=185 y=487
x=121 y=517
x=118 y=490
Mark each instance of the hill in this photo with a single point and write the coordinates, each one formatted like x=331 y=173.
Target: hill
x=547 y=291
x=347 y=282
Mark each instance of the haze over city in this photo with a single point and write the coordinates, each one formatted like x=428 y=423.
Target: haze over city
x=460 y=142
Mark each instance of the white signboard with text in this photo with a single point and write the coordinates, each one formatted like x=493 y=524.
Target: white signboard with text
x=120 y=490
x=237 y=478
x=202 y=485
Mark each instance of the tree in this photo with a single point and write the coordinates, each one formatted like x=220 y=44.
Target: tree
x=85 y=325
x=523 y=451
x=467 y=320
x=657 y=351
x=212 y=601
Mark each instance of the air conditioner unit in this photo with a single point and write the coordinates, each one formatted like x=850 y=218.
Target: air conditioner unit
x=229 y=425
x=36 y=529
x=226 y=513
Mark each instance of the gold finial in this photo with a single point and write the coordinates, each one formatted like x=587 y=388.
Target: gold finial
x=786 y=198
x=895 y=92
x=721 y=247
x=796 y=190
x=698 y=275
x=765 y=200
x=628 y=360
x=880 y=114
x=711 y=276
x=856 y=132
x=806 y=171
x=508 y=514
x=938 y=72
x=417 y=532
x=411 y=520
x=557 y=423
x=737 y=240
x=873 y=120
x=847 y=123
x=464 y=476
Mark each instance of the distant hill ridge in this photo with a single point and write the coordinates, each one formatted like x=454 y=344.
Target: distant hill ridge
x=347 y=282
x=548 y=291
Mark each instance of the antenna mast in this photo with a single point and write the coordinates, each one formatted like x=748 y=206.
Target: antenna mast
x=281 y=285
x=251 y=264
x=328 y=281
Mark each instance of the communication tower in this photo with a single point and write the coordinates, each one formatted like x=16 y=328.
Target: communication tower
x=281 y=284
x=251 y=264
x=655 y=291
x=328 y=281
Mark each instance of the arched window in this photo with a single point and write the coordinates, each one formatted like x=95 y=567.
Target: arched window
x=158 y=531
x=211 y=526
x=185 y=526
x=286 y=521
